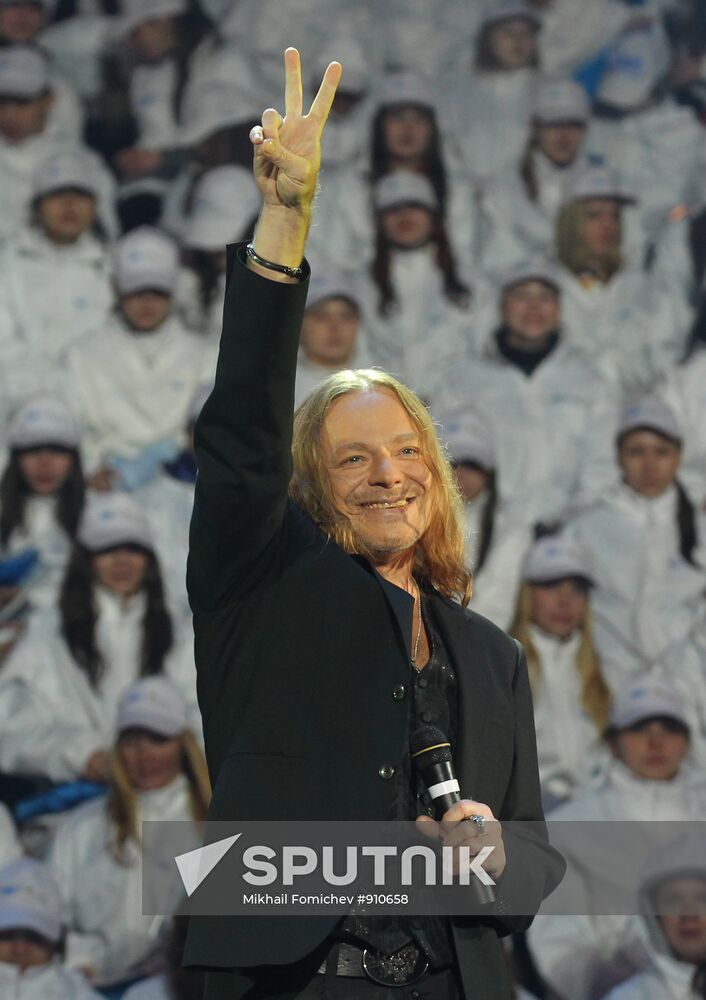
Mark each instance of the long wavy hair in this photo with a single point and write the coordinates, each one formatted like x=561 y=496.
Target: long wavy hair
x=15 y=492
x=79 y=617
x=122 y=800
x=454 y=289
x=571 y=248
x=439 y=555
x=433 y=163
x=595 y=694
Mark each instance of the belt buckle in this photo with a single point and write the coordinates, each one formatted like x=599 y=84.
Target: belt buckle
x=396 y=969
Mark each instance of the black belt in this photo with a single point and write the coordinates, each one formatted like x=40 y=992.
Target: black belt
x=403 y=967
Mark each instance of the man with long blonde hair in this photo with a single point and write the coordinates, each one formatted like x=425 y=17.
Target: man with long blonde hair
x=327 y=582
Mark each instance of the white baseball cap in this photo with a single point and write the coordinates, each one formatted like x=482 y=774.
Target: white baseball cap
x=153 y=703
x=24 y=72
x=225 y=200
x=644 y=697
x=651 y=414
x=561 y=101
x=598 y=182
x=136 y=12
x=636 y=63
x=555 y=558
x=350 y=53
x=113 y=519
x=404 y=187
x=469 y=438
x=405 y=88
x=146 y=258
x=331 y=285
x=43 y=420
x=63 y=170
x=530 y=270
x=30 y=899
x=213 y=106
x=505 y=10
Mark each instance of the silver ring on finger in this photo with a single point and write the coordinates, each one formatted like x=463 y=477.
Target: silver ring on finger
x=479 y=822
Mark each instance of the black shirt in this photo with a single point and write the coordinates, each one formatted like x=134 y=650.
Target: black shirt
x=432 y=701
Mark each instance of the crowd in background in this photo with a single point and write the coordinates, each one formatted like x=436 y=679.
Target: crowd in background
x=512 y=219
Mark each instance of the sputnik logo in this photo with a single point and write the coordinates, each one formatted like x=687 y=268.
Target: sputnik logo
x=194 y=866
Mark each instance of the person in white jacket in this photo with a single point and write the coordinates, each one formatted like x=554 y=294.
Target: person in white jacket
x=331 y=336
x=42 y=492
x=415 y=303
x=55 y=274
x=10 y=846
x=60 y=685
x=651 y=779
x=223 y=210
x=494 y=98
x=645 y=541
x=632 y=322
x=571 y=699
x=405 y=134
x=131 y=381
x=31 y=932
x=552 y=414
x=157 y=772
x=672 y=900
x=26 y=139
x=176 y=982
x=496 y=543
x=520 y=205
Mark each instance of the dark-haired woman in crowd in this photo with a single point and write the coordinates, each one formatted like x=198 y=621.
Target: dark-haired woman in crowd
x=645 y=540
x=405 y=135
x=42 y=492
x=489 y=108
x=414 y=298
x=156 y=771
x=60 y=687
x=521 y=203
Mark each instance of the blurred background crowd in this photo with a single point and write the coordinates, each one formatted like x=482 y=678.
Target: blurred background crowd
x=512 y=219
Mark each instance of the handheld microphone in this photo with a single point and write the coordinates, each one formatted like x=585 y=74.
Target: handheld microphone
x=431 y=755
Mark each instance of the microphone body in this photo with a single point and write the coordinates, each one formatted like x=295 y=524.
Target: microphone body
x=431 y=754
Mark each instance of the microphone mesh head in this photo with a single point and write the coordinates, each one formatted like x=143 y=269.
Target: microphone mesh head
x=428 y=745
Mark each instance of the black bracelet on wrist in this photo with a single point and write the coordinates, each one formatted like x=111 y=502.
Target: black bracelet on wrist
x=292 y=272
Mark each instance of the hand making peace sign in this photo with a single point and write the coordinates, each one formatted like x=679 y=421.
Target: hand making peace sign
x=288 y=150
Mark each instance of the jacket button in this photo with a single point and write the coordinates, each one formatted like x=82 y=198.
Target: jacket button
x=422 y=682
x=426 y=716
x=386 y=772
x=399 y=691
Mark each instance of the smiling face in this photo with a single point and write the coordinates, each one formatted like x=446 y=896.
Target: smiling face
x=531 y=310
x=379 y=478
x=682 y=903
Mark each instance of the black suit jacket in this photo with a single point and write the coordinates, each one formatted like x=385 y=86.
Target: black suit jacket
x=299 y=647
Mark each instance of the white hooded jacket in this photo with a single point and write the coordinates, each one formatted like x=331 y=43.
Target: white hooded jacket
x=647 y=598
x=42 y=531
x=131 y=390
x=52 y=718
x=685 y=392
x=553 y=429
x=106 y=928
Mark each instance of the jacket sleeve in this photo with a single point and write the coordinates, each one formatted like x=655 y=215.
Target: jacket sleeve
x=243 y=438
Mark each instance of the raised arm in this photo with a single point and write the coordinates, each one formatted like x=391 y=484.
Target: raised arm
x=243 y=435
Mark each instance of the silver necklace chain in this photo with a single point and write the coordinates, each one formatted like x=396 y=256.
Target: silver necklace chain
x=419 y=630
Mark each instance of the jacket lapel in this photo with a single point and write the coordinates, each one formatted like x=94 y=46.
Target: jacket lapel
x=472 y=668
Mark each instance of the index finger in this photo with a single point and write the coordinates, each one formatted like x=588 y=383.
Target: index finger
x=292 y=82
x=321 y=105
